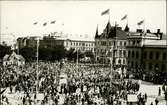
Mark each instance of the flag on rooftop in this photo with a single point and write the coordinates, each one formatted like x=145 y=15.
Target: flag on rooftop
x=105 y=12
x=45 y=24
x=35 y=23
x=53 y=22
x=123 y=18
x=140 y=23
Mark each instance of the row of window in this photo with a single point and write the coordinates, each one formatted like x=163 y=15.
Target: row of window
x=80 y=44
x=121 y=53
x=134 y=42
x=105 y=43
x=151 y=66
x=83 y=49
x=155 y=55
x=133 y=54
x=119 y=43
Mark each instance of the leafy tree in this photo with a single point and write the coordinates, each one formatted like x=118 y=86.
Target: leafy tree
x=28 y=53
x=90 y=54
x=4 y=50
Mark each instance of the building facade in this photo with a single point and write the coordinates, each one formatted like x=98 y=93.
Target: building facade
x=155 y=56
x=146 y=52
x=110 y=46
x=51 y=41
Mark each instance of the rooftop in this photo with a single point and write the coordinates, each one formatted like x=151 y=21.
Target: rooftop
x=155 y=43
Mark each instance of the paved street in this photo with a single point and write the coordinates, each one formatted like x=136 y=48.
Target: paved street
x=152 y=92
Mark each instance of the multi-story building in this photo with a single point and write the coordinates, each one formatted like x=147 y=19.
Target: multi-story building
x=136 y=41
x=52 y=41
x=155 y=56
x=146 y=52
x=82 y=45
x=110 y=46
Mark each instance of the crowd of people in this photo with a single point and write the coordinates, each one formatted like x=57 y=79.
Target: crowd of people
x=86 y=85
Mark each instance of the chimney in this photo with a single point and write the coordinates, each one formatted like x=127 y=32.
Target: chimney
x=148 y=31
x=139 y=30
x=158 y=30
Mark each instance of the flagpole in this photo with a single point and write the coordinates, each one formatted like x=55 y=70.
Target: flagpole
x=109 y=16
x=144 y=26
x=127 y=20
x=37 y=68
x=77 y=59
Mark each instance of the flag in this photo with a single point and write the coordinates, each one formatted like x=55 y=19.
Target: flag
x=123 y=18
x=141 y=22
x=2 y=91
x=105 y=12
x=53 y=22
x=45 y=24
x=35 y=23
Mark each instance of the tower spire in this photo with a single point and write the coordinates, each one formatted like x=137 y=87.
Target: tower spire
x=96 y=34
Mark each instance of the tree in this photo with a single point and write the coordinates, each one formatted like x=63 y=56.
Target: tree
x=69 y=54
x=28 y=53
x=90 y=55
x=4 y=50
x=59 y=52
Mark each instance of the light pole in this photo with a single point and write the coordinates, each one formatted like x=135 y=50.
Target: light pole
x=37 y=68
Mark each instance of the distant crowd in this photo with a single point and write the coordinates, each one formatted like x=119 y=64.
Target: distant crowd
x=86 y=85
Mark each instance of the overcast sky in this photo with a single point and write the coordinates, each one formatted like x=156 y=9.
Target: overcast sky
x=77 y=17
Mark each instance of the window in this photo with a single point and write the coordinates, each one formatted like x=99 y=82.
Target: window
x=129 y=53
x=164 y=56
x=124 y=53
x=133 y=54
x=163 y=67
x=144 y=66
x=114 y=43
x=119 y=61
x=137 y=54
x=134 y=42
x=157 y=55
x=145 y=55
x=120 y=53
x=136 y=65
x=156 y=67
x=120 y=43
x=124 y=61
x=132 y=64
x=138 y=42
x=151 y=55
x=150 y=66
x=124 y=43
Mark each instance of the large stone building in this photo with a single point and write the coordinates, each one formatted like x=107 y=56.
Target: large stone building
x=155 y=57
x=136 y=41
x=52 y=41
x=110 y=46
x=146 y=52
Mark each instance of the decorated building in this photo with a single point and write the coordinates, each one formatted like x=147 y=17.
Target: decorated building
x=13 y=59
x=110 y=46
